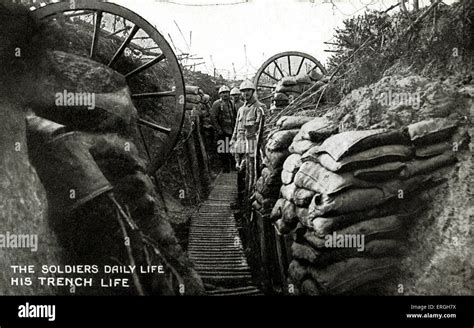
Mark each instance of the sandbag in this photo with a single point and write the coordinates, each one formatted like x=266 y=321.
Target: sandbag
x=280 y=140
x=292 y=163
x=284 y=227
x=271 y=177
x=431 y=131
x=315 y=76
x=300 y=147
x=315 y=177
x=277 y=209
x=258 y=197
x=428 y=165
x=194 y=99
x=351 y=142
x=259 y=184
x=309 y=287
x=288 y=81
x=288 y=214
x=293 y=89
x=267 y=190
x=303 y=79
x=368 y=158
x=287 y=177
x=352 y=200
x=275 y=159
x=433 y=149
x=404 y=210
x=256 y=205
x=280 y=97
x=390 y=227
x=280 y=104
x=298 y=137
x=373 y=249
x=292 y=122
x=191 y=89
x=270 y=191
x=380 y=172
x=318 y=129
x=268 y=204
x=304 y=252
x=345 y=276
x=298 y=271
x=302 y=213
x=287 y=191
x=302 y=197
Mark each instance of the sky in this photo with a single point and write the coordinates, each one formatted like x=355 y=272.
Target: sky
x=246 y=33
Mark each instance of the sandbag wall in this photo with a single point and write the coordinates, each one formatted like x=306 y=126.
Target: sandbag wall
x=348 y=198
x=274 y=249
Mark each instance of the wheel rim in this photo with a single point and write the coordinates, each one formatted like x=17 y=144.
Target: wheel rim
x=160 y=56
x=289 y=63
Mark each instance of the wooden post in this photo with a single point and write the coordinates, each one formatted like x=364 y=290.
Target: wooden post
x=183 y=175
x=282 y=262
x=202 y=154
x=194 y=164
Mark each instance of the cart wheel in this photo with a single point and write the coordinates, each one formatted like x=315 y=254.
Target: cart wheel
x=289 y=63
x=119 y=38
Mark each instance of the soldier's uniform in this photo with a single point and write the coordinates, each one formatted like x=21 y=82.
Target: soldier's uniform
x=237 y=105
x=223 y=117
x=207 y=129
x=253 y=123
x=238 y=148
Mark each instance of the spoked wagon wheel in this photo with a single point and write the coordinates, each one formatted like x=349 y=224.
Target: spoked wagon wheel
x=119 y=38
x=289 y=63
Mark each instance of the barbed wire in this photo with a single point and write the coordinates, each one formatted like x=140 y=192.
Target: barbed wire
x=205 y=4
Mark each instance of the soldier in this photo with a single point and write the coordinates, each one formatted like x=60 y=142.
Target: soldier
x=223 y=117
x=238 y=148
x=236 y=98
x=206 y=125
x=253 y=121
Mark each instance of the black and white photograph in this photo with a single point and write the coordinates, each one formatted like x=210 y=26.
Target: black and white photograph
x=298 y=149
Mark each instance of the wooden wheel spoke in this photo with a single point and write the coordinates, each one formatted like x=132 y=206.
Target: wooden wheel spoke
x=266 y=86
x=154 y=126
x=289 y=65
x=92 y=15
x=75 y=14
x=278 y=68
x=158 y=94
x=124 y=45
x=300 y=65
x=145 y=66
x=270 y=76
x=95 y=37
x=313 y=68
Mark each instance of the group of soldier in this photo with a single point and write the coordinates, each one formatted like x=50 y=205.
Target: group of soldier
x=236 y=121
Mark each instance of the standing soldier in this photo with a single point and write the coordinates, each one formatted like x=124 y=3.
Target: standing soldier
x=207 y=128
x=223 y=117
x=238 y=148
x=236 y=98
x=253 y=121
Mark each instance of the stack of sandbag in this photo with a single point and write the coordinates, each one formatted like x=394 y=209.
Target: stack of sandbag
x=350 y=198
x=311 y=134
x=276 y=151
x=293 y=198
x=288 y=89
x=193 y=97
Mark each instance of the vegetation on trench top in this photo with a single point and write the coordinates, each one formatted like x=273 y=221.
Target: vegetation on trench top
x=434 y=42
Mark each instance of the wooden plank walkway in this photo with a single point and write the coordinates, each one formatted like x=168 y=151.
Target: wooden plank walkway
x=215 y=247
